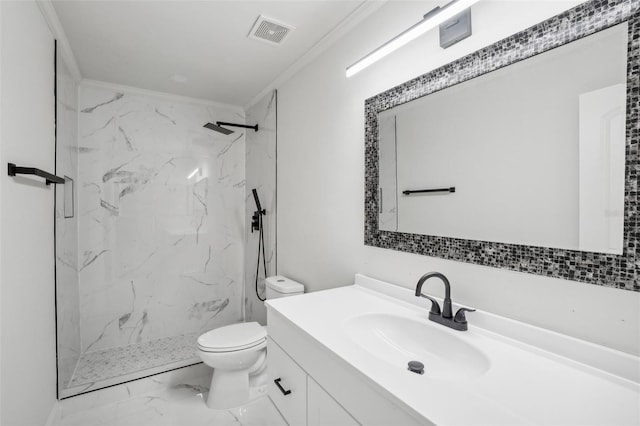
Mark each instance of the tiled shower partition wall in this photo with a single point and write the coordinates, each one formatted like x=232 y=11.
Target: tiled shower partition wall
x=261 y=174
x=161 y=227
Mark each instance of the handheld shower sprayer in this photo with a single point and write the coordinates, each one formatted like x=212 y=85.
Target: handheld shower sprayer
x=256 y=225
x=257 y=215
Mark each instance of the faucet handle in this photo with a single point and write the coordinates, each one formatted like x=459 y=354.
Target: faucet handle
x=459 y=317
x=435 y=307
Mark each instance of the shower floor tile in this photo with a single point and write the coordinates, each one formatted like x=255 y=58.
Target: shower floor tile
x=128 y=361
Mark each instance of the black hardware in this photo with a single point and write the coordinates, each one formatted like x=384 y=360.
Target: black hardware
x=217 y=127
x=435 y=307
x=277 y=382
x=49 y=178
x=446 y=318
x=416 y=367
x=459 y=316
x=255 y=219
x=424 y=191
x=257 y=225
x=446 y=307
x=222 y=123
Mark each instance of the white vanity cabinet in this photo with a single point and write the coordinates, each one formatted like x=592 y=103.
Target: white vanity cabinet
x=351 y=346
x=300 y=400
x=323 y=410
x=287 y=385
x=325 y=390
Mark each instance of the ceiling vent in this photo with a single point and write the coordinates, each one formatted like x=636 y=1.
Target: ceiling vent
x=270 y=31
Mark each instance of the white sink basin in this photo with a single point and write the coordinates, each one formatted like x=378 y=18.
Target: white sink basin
x=398 y=340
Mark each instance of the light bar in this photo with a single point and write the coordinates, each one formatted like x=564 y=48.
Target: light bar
x=428 y=23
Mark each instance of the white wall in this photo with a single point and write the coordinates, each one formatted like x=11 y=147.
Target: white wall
x=321 y=182
x=28 y=332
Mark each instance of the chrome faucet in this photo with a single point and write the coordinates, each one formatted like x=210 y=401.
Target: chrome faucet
x=446 y=317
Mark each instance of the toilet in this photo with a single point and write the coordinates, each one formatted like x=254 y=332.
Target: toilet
x=237 y=352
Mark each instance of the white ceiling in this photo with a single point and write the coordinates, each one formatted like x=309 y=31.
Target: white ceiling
x=144 y=43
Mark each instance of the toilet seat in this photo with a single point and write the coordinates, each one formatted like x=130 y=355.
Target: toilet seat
x=262 y=342
x=233 y=338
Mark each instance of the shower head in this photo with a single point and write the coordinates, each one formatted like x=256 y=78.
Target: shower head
x=216 y=127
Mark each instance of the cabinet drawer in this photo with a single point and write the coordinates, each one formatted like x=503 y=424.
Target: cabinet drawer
x=291 y=400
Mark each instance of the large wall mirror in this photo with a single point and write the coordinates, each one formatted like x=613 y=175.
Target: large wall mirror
x=523 y=155
x=535 y=152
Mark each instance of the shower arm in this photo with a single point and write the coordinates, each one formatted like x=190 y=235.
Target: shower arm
x=222 y=123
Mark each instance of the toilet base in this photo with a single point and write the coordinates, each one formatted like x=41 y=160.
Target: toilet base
x=234 y=370
x=258 y=380
x=228 y=389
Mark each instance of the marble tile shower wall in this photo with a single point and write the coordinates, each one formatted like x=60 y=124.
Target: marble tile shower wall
x=261 y=174
x=68 y=324
x=161 y=218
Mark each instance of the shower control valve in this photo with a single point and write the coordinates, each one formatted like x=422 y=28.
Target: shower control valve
x=255 y=220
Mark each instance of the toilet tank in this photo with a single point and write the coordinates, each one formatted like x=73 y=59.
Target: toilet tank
x=279 y=286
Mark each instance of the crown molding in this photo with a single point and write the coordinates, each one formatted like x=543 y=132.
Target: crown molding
x=160 y=95
x=365 y=9
x=51 y=17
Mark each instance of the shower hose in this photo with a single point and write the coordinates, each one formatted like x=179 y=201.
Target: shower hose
x=264 y=259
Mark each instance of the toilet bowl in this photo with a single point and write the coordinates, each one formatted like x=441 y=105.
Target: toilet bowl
x=237 y=352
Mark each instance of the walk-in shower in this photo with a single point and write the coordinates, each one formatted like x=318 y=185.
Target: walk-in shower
x=153 y=255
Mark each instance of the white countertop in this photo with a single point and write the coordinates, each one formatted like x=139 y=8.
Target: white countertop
x=527 y=382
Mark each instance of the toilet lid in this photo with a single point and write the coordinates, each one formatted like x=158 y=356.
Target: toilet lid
x=233 y=337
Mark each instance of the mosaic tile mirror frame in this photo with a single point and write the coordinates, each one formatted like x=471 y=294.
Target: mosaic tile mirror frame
x=619 y=271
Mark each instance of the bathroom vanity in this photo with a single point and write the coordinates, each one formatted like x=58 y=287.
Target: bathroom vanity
x=340 y=357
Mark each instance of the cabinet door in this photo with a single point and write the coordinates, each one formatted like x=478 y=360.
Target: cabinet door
x=323 y=410
x=287 y=385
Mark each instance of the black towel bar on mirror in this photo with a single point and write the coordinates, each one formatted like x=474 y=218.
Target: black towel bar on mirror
x=423 y=191
x=49 y=178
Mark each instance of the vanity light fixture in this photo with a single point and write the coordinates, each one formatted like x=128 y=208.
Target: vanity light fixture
x=430 y=21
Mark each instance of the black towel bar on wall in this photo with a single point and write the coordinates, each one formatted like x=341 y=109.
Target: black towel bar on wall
x=49 y=178
x=423 y=191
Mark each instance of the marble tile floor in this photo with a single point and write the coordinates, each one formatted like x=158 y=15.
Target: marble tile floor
x=178 y=399
x=111 y=363
x=175 y=407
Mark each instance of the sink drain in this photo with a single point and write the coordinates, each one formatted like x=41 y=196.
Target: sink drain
x=416 y=367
